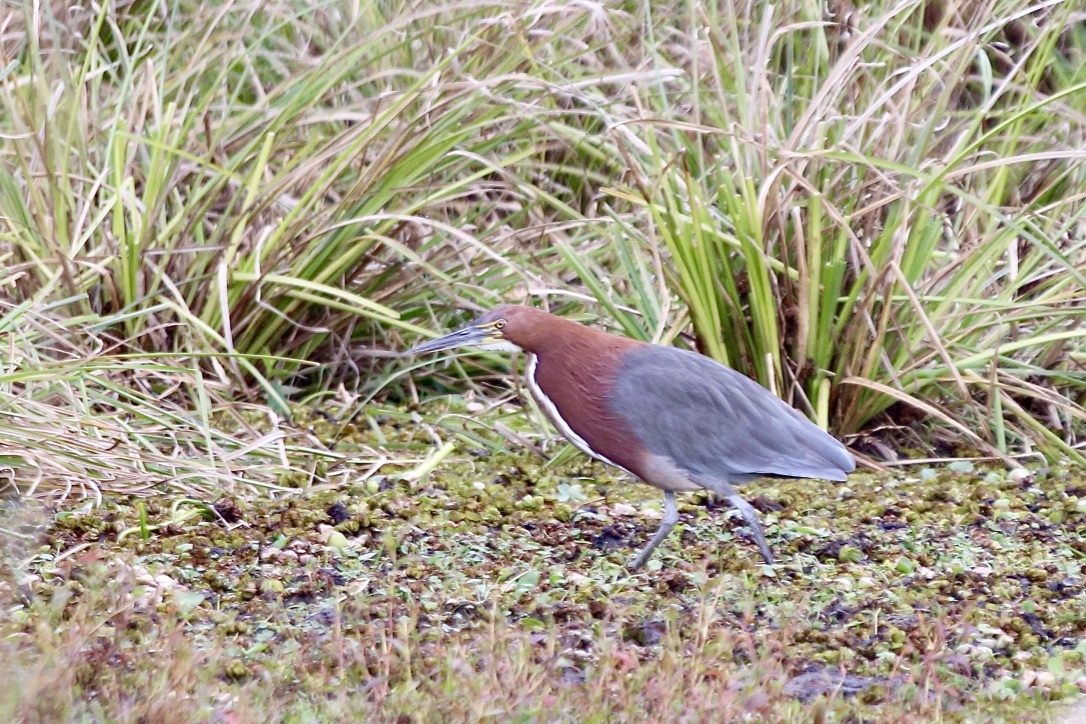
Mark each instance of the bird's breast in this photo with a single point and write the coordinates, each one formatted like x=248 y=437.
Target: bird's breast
x=550 y=409
x=574 y=399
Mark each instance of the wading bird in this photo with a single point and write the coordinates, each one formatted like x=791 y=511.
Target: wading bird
x=676 y=419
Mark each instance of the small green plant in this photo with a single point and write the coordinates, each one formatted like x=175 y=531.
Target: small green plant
x=571 y=493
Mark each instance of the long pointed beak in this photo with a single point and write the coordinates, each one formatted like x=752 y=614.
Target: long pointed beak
x=460 y=338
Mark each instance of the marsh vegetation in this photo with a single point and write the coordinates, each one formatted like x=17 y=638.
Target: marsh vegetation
x=225 y=495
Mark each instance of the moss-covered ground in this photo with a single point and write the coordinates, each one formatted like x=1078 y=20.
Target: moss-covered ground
x=494 y=588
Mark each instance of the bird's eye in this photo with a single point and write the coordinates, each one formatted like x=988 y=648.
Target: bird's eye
x=500 y=324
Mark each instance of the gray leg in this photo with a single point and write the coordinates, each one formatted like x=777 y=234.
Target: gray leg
x=751 y=516
x=671 y=517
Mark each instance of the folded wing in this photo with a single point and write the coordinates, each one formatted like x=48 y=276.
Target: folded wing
x=719 y=424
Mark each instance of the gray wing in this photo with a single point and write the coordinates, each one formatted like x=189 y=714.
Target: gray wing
x=717 y=423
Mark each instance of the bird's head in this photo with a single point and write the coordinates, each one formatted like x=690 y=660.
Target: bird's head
x=511 y=328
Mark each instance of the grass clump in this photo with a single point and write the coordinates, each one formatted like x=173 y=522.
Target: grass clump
x=875 y=210
x=863 y=209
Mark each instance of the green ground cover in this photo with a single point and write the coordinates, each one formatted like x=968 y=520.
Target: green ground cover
x=496 y=588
